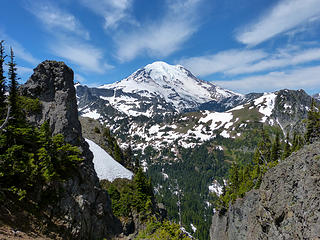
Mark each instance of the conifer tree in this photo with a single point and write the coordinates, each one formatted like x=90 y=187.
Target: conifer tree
x=117 y=154
x=2 y=79
x=275 y=150
x=313 y=124
x=287 y=148
x=263 y=152
x=128 y=156
x=13 y=87
x=297 y=142
x=136 y=165
x=143 y=190
x=234 y=177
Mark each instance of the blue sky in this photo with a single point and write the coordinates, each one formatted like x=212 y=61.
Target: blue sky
x=242 y=45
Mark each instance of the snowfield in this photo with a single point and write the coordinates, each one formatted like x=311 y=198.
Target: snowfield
x=105 y=166
x=266 y=105
x=91 y=114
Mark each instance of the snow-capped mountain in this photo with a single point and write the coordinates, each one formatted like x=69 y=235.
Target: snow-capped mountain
x=156 y=88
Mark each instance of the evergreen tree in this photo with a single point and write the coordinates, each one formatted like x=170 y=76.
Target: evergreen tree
x=128 y=154
x=263 y=152
x=117 y=153
x=143 y=190
x=257 y=159
x=234 y=177
x=136 y=165
x=2 y=80
x=287 y=148
x=276 y=148
x=13 y=88
x=313 y=124
x=298 y=142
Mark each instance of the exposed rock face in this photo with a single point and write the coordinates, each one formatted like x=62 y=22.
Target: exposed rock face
x=84 y=208
x=287 y=205
x=52 y=83
x=290 y=107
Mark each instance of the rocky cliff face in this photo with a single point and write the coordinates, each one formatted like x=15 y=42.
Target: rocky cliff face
x=287 y=205
x=290 y=107
x=83 y=209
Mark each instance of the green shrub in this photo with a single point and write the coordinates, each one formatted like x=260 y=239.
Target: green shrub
x=156 y=230
x=96 y=130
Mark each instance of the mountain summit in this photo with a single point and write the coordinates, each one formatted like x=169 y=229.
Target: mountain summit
x=170 y=86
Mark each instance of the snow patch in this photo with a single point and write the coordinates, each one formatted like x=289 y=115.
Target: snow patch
x=216 y=188
x=218 y=119
x=225 y=134
x=236 y=108
x=219 y=148
x=154 y=129
x=267 y=103
x=105 y=166
x=194 y=229
x=91 y=114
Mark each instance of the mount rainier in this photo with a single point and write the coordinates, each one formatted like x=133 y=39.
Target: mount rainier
x=157 y=88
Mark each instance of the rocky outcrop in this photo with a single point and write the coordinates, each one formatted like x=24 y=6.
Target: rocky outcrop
x=290 y=107
x=287 y=205
x=83 y=208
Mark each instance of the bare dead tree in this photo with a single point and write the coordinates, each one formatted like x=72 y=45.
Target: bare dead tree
x=6 y=120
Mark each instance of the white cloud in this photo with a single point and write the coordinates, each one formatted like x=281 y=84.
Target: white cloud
x=24 y=70
x=86 y=56
x=278 y=61
x=18 y=49
x=222 y=62
x=55 y=18
x=113 y=11
x=286 y=15
x=163 y=37
x=79 y=78
x=237 y=61
x=305 y=78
